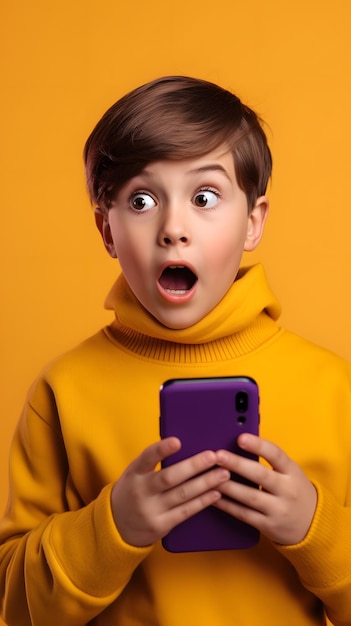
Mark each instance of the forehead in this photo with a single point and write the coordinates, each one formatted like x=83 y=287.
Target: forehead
x=219 y=161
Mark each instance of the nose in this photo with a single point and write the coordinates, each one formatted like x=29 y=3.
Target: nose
x=174 y=229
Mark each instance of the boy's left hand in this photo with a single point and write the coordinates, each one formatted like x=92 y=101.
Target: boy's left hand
x=283 y=508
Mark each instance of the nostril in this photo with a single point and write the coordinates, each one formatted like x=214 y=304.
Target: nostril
x=168 y=240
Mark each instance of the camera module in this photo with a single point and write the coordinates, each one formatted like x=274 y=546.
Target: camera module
x=241 y=402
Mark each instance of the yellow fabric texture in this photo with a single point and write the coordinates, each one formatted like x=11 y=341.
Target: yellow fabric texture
x=92 y=411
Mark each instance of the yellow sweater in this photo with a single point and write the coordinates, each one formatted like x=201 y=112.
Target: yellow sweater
x=91 y=412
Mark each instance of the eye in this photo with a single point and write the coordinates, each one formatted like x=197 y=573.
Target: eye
x=206 y=198
x=142 y=202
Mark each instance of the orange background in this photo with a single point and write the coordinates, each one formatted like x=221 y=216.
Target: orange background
x=64 y=63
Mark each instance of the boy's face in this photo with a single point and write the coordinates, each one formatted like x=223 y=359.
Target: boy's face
x=179 y=230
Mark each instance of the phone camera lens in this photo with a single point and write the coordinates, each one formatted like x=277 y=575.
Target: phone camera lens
x=241 y=402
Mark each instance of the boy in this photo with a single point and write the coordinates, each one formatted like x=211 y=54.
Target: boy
x=177 y=171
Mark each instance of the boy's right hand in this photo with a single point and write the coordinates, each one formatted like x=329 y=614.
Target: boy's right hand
x=147 y=503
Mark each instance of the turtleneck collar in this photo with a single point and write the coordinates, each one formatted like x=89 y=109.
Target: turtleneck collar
x=243 y=318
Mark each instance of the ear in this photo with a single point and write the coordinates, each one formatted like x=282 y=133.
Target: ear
x=256 y=222
x=103 y=225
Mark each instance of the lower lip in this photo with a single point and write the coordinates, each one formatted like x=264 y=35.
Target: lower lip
x=175 y=297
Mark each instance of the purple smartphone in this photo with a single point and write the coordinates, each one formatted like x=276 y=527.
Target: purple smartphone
x=209 y=414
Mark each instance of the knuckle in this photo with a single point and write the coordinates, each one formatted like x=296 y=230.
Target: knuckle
x=135 y=492
x=254 y=498
x=263 y=473
x=188 y=509
x=181 y=494
x=280 y=458
x=280 y=455
x=165 y=479
x=203 y=460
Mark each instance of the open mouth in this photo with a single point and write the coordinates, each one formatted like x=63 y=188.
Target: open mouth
x=177 y=279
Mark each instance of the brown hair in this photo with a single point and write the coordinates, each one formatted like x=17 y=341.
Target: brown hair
x=174 y=117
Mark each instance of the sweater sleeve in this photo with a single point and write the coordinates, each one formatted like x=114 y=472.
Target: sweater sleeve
x=59 y=562
x=323 y=559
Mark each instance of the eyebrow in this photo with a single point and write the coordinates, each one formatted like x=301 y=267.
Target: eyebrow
x=211 y=167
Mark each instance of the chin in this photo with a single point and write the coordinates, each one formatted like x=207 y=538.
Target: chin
x=178 y=322
x=177 y=326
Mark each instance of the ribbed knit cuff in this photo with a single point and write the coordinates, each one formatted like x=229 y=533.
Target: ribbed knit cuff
x=90 y=552
x=322 y=559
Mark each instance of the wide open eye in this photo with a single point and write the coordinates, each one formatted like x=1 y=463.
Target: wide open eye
x=142 y=202
x=206 y=199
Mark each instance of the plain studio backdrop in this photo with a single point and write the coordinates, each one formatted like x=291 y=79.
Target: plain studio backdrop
x=63 y=64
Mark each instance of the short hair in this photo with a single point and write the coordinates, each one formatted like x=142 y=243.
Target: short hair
x=174 y=118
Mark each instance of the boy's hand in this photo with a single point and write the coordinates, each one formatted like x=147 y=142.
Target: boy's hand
x=147 y=504
x=283 y=508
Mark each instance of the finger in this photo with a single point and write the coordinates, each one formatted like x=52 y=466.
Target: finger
x=178 y=514
x=275 y=456
x=179 y=473
x=248 y=469
x=154 y=454
x=194 y=488
x=241 y=494
x=251 y=470
x=244 y=514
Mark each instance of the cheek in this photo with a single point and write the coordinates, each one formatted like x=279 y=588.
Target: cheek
x=227 y=249
x=125 y=241
x=132 y=255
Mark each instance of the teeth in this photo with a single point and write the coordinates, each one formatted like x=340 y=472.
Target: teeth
x=178 y=292
x=176 y=267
